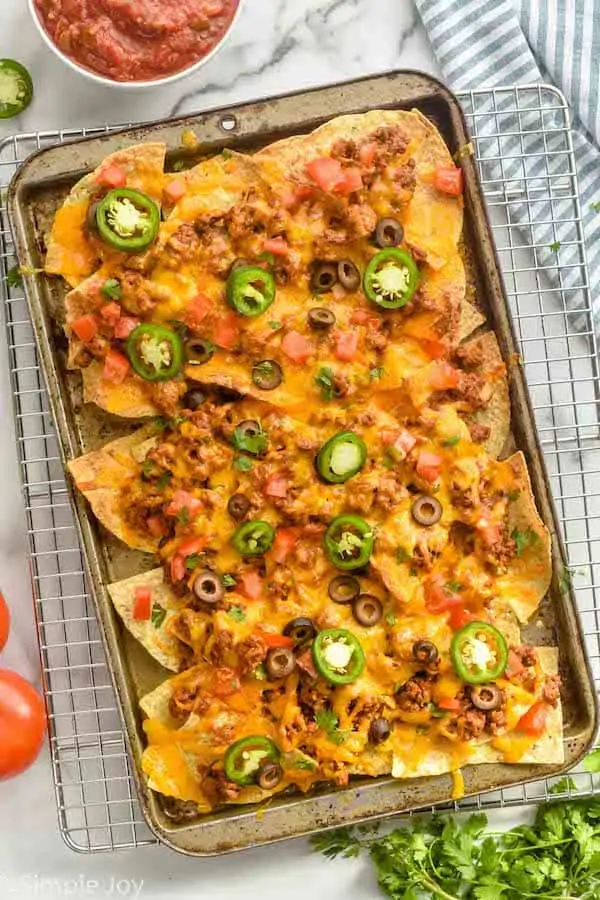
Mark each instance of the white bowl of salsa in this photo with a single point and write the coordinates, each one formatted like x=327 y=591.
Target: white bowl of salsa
x=135 y=43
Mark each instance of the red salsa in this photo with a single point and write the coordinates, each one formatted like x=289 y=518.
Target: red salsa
x=136 y=40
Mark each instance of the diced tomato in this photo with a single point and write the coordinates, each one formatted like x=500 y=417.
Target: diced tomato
x=276 y=640
x=175 y=190
x=534 y=720
x=183 y=500
x=142 y=604
x=85 y=327
x=443 y=377
x=459 y=617
x=360 y=317
x=156 y=526
x=326 y=172
x=449 y=180
x=277 y=246
x=191 y=545
x=366 y=154
x=285 y=541
x=451 y=704
x=439 y=597
x=403 y=443
x=178 y=569
x=224 y=682
x=111 y=176
x=434 y=349
x=346 y=345
x=276 y=486
x=226 y=332
x=251 y=584
x=110 y=312
x=116 y=367
x=490 y=534
x=197 y=310
x=124 y=326
x=297 y=347
x=428 y=465
x=352 y=181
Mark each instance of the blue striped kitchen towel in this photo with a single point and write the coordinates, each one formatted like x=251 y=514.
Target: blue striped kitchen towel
x=490 y=43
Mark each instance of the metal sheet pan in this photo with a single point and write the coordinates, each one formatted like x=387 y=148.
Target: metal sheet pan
x=36 y=192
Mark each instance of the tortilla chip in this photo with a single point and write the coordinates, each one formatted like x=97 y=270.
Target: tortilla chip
x=470 y=320
x=70 y=251
x=129 y=400
x=154 y=633
x=496 y=414
x=100 y=476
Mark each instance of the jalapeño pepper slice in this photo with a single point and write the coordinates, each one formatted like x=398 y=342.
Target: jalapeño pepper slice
x=391 y=278
x=16 y=88
x=479 y=653
x=155 y=352
x=338 y=656
x=253 y=538
x=341 y=457
x=127 y=220
x=250 y=290
x=245 y=757
x=349 y=542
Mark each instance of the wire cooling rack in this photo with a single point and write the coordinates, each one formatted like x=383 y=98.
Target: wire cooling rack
x=523 y=146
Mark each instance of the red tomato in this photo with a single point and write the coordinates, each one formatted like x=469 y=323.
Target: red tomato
x=183 y=500
x=346 y=345
x=4 y=621
x=156 y=526
x=276 y=640
x=434 y=349
x=224 y=682
x=459 y=617
x=297 y=347
x=197 y=310
x=285 y=541
x=352 y=181
x=276 y=486
x=362 y=317
x=449 y=180
x=403 y=443
x=110 y=312
x=142 y=604
x=22 y=723
x=326 y=172
x=490 y=534
x=85 y=327
x=175 y=190
x=534 y=720
x=191 y=545
x=438 y=596
x=451 y=704
x=428 y=465
x=178 y=569
x=443 y=377
x=116 y=367
x=277 y=246
x=251 y=584
x=366 y=154
x=296 y=196
x=112 y=177
x=124 y=326
x=225 y=331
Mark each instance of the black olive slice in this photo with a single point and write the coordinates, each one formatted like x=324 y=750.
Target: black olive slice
x=269 y=775
x=193 y=399
x=323 y=277
x=425 y=652
x=367 y=610
x=379 y=730
x=486 y=697
x=320 y=319
x=208 y=588
x=343 y=589
x=237 y=506
x=301 y=630
x=198 y=351
x=426 y=510
x=348 y=275
x=280 y=662
x=267 y=374
x=389 y=233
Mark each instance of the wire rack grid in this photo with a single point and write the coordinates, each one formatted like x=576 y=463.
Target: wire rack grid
x=522 y=142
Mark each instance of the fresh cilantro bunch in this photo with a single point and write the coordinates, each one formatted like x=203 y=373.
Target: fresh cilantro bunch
x=442 y=858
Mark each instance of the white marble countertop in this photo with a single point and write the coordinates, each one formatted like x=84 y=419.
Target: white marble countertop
x=278 y=45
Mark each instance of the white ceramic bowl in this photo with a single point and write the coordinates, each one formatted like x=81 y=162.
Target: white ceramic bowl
x=129 y=85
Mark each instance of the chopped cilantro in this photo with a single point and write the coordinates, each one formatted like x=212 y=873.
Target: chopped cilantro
x=183 y=517
x=453 y=587
x=325 y=381
x=159 y=615
x=306 y=763
x=451 y=441
x=254 y=441
x=147 y=469
x=14 y=278
x=376 y=373
x=192 y=562
x=390 y=618
x=112 y=289
x=328 y=722
x=524 y=539
x=227 y=580
x=275 y=325
x=163 y=481
x=388 y=460
x=563 y=786
x=242 y=463
x=555 y=246
x=236 y=613
x=180 y=165
x=512 y=496
x=402 y=556
x=260 y=673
